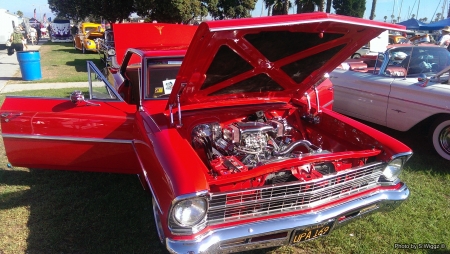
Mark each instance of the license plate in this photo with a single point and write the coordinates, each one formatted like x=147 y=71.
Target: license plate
x=311 y=232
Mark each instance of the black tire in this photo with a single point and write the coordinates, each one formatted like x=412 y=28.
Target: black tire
x=158 y=224
x=356 y=56
x=440 y=136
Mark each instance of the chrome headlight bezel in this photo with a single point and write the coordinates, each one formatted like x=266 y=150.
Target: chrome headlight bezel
x=394 y=167
x=188 y=214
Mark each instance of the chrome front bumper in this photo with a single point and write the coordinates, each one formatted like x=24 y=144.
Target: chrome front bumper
x=277 y=232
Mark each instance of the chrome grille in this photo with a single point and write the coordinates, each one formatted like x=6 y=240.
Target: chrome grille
x=292 y=196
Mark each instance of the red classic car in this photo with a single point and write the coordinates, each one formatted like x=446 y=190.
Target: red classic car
x=226 y=132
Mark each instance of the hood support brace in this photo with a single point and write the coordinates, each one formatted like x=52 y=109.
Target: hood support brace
x=183 y=85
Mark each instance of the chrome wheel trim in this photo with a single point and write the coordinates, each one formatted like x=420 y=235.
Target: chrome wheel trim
x=444 y=139
x=158 y=223
x=441 y=139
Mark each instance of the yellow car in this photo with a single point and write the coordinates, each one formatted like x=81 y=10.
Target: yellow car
x=397 y=39
x=87 y=36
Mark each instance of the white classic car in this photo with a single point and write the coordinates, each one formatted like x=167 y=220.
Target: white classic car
x=405 y=86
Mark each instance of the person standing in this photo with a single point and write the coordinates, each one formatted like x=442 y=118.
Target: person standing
x=17 y=39
x=445 y=38
x=38 y=31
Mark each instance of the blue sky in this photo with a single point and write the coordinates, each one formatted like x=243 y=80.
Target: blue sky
x=384 y=8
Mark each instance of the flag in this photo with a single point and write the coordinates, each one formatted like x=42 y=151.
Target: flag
x=34 y=13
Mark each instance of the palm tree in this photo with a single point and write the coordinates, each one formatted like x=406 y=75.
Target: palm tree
x=392 y=18
x=425 y=19
x=385 y=18
x=269 y=4
x=310 y=5
x=398 y=19
x=438 y=15
x=328 y=10
x=281 y=7
x=372 y=11
x=413 y=16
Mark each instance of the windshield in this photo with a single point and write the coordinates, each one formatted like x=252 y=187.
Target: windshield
x=416 y=60
x=91 y=29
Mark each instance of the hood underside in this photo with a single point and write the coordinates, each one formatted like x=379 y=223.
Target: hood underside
x=277 y=56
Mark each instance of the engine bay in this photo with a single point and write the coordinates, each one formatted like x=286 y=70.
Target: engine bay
x=250 y=148
x=253 y=142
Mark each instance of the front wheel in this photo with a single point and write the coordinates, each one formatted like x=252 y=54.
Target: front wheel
x=441 y=136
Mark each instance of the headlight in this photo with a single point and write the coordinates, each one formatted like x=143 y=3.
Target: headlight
x=189 y=212
x=394 y=168
x=111 y=52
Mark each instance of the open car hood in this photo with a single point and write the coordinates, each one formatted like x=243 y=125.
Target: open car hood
x=267 y=57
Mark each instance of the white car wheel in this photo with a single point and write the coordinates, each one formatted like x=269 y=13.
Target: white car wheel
x=356 y=56
x=441 y=137
x=158 y=223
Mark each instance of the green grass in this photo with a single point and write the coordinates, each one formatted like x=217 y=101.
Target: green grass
x=73 y=212
x=61 y=62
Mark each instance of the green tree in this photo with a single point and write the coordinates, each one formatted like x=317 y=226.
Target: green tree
x=77 y=10
x=385 y=18
x=20 y=14
x=171 y=11
x=372 y=11
x=113 y=10
x=354 y=8
x=224 y=9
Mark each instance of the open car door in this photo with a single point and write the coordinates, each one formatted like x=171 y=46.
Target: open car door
x=75 y=133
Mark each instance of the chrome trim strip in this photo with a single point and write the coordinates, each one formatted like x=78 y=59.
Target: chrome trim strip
x=144 y=172
x=75 y=139
x=408 y=154
x=211 y=242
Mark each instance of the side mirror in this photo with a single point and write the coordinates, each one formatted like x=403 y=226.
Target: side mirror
x=77 y=97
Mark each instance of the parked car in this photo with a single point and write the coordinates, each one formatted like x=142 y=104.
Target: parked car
x=226 y=129
x=397 y=39
x=87 y=36
x=409 y=88
x=106 y=49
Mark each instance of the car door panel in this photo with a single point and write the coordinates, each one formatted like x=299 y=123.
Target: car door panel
x=409 y=103
x=371 y=93
x=58 y=134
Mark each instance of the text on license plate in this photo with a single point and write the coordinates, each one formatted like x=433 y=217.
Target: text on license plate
x=312 y=232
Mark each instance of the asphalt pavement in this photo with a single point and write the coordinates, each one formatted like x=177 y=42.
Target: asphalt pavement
x=10 y=75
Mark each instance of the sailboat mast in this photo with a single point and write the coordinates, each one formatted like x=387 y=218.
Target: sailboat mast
x=392 y=15
x=417 y=13
x=400 y=11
